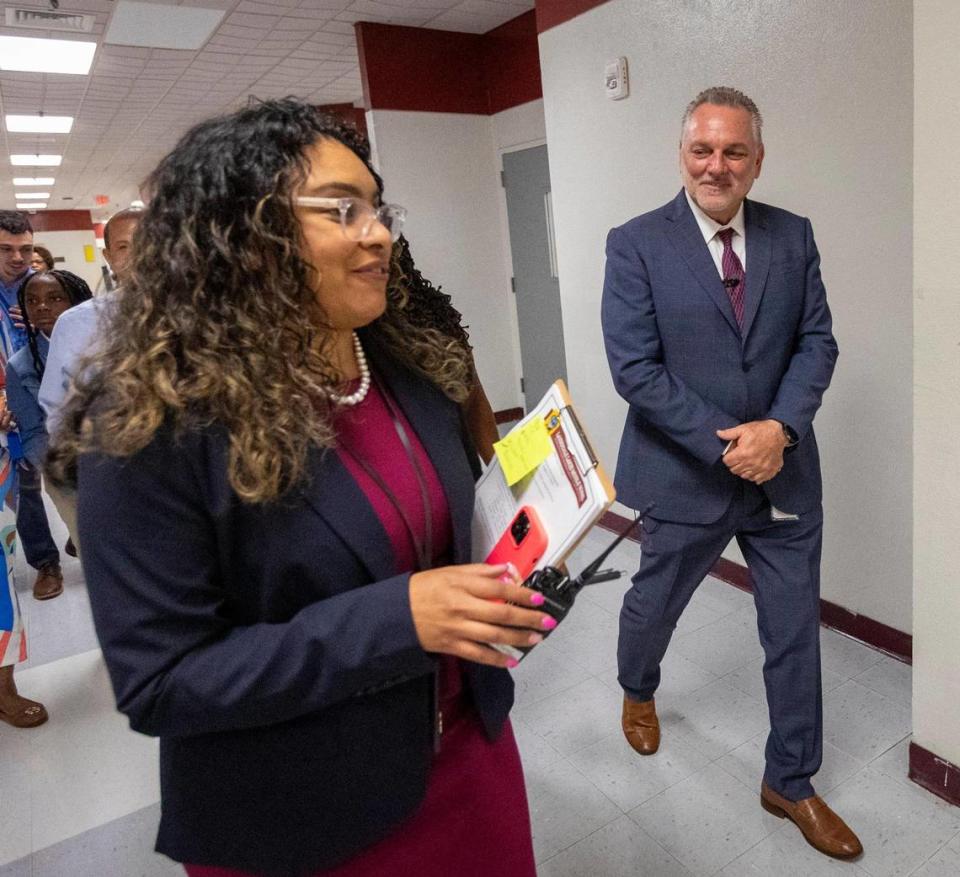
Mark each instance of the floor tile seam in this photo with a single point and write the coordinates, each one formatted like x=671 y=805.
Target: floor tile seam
x=860 y=685
x=906 y=736
x=626 y=811
x=877 y=654
x=908 y=702
x=936 y=852
x=756 y=700
x=766 y=835
x=530 y=703
x=590 y=834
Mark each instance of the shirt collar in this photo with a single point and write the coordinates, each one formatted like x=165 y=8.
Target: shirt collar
x=709 y=227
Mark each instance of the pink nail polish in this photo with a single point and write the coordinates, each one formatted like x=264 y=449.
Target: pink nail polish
x=534 y=639
x=513 y=662
x=537 y=599
x=549 y=623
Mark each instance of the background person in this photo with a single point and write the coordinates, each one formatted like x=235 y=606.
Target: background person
x=16 y=247
x=77 y=336
x=43 y=298
x=719 y=337
x=39 y=549
x=276 y=476
x=42 y=259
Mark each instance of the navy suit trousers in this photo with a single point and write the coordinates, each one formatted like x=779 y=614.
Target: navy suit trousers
x=784 y=562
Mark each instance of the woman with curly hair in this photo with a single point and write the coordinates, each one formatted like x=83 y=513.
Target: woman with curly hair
x=269 y=456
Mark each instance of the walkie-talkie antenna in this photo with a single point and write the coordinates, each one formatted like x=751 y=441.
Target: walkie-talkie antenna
x=591 y=569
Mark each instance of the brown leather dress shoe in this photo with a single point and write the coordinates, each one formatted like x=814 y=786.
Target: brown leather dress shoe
x=49 y=583
x=821 y=827
x=640 y=725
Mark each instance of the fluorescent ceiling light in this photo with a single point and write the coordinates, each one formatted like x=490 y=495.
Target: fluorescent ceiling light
x=33 y=181
x=40 y=196
x=31 y=205
x=36 y=160
x=39 y=124
x=33 y=55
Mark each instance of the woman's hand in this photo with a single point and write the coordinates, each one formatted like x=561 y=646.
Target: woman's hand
x=457 y=610
x=6 y=420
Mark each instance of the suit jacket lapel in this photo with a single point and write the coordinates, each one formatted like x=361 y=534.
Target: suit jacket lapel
x=687 y=239
x=758 y=262
x=427 y=409
x=333 y=494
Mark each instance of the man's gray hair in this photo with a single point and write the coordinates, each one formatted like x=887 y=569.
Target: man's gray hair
x=724 y=96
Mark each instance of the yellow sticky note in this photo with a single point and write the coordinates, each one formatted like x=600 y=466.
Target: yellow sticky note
x=523 y=450
x=88 y=253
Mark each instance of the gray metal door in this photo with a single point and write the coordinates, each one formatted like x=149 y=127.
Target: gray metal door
x=526 y=179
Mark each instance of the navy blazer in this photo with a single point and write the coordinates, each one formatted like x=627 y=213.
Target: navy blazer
x=271 y=647
x=679 y=359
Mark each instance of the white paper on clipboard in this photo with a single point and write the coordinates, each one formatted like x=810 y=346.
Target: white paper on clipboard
x=569 y=490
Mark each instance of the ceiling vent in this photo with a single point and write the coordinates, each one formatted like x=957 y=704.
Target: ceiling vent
x=44 y=19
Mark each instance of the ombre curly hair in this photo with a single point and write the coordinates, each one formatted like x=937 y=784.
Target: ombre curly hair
x=218 y=321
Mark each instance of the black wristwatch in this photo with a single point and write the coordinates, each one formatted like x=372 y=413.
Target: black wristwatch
x=791 y=437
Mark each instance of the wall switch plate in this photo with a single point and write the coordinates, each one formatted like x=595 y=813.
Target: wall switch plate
x=616 y=83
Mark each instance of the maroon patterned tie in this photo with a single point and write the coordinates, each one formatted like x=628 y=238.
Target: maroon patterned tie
x=733 y=274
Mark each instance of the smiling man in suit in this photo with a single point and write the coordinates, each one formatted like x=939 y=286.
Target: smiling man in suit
x=718 y=335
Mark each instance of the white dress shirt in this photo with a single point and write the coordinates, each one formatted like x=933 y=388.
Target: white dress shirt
x=709 y=229
x=75 y=335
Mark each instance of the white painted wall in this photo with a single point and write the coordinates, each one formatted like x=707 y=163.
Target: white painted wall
x=444 y=168
x=835 y=87
x=936 y=362
x=69 y=245
x=515 y=129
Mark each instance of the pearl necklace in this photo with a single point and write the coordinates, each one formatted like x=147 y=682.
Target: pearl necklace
x=361 y=393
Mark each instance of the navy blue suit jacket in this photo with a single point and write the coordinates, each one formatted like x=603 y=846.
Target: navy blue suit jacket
x=271 y=647
x=686 y=370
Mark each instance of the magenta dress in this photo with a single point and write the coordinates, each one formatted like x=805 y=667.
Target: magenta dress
x=474 y=820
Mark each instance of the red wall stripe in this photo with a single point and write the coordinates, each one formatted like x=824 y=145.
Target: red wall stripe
x=61 y=220
x=420 y=69
x=550 y=13
x=512 y=61
x=425 y=70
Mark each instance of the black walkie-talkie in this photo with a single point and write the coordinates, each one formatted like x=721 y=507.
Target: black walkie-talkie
x=559 y=590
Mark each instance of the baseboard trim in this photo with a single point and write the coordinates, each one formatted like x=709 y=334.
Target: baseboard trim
x=935 y=774
x=508 y=415
x=875 y=634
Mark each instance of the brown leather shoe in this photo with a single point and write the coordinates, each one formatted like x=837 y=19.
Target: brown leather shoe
x=49 y=583
x=640 y=725
x=821 y=827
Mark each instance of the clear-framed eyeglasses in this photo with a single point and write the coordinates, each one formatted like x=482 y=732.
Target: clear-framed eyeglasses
x=358 y=216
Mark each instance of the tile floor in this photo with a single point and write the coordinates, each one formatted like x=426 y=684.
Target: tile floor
x=78 y=796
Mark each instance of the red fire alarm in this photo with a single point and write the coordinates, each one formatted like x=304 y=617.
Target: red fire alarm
x=101 y=200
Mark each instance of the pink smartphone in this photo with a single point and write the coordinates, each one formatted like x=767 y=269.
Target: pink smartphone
x=523 y=543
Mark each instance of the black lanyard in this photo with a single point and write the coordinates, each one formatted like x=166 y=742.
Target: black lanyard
x=422 y=547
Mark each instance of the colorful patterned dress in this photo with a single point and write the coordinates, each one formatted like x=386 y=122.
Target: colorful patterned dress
x=13 y=639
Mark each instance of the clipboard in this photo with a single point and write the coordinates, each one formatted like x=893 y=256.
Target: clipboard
x=570 y=490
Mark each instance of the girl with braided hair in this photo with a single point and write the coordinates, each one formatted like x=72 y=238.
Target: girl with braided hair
x=42 y=299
